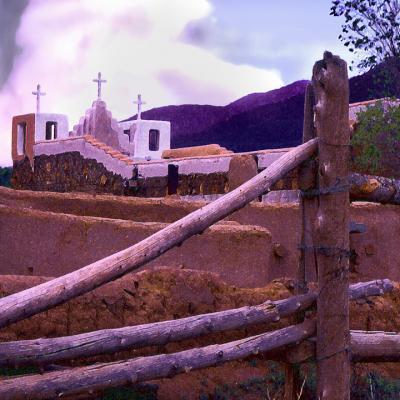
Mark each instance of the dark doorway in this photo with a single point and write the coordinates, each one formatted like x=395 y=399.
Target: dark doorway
x=173 y=178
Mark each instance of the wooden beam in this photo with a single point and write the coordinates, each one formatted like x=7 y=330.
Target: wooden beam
x=374 y=188
x=375 y=346
x=53 y=350
x=365 y=347
x=331 y=88
x=57 y=291
x=73 y=381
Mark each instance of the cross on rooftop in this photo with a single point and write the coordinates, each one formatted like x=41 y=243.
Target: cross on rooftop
x=38 y=93
x=139 y=103
x=99 y=82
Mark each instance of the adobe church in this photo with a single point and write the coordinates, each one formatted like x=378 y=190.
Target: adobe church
x=102 y=155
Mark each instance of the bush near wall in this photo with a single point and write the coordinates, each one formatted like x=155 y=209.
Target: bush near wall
x=376 y=141
x=5 y=176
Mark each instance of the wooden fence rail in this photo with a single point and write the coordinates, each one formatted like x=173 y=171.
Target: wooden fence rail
x=364 y=347
x=77 y=380
x=52 y=350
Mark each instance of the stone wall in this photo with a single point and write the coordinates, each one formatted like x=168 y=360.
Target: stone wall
x=70 y=172
x=187 y=185
x=204 y=176
x=66 y=172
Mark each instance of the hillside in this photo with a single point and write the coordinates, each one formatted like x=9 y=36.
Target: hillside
x=262 y=120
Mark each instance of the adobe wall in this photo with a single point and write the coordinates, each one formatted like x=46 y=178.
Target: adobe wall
x=50 y=244
x=374 y=252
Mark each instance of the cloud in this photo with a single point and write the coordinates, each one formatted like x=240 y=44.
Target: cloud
x=10 y=16
x=136 y=46
x=268 y=34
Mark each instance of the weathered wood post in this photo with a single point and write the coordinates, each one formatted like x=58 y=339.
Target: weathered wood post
x=331 y=90
x=308 y=210
x=308 y=200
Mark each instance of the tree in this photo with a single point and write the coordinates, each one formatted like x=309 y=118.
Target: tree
x=5 y=176
x=376 y=140
x=371 y=29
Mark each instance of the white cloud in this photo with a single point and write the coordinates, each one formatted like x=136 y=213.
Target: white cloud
x=134 y=43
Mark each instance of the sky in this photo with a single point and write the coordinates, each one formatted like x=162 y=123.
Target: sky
x=170 y=51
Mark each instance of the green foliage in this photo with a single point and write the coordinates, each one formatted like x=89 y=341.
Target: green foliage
x=125 y=393
x=5 y=176
x=7 y=371
x=371 y=29
x=376 y=140
x=372 y=386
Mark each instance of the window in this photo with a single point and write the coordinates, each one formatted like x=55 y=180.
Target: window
x=154 y=140
x=21 y=138
x=51 y=130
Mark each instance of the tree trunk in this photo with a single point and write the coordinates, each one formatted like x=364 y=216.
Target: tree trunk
x=57 y=291
x=53 y=350
x=85 y=379
x=331 y=89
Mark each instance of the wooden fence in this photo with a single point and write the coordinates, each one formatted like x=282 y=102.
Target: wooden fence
x=323 y=159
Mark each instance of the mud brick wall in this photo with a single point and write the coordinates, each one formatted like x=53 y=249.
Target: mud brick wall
x=374 y=252
x=67 y=172
x=52 y=244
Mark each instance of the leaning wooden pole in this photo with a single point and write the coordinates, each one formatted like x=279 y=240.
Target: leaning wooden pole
x=331 y=90
x=57 y=291
x=105 y=341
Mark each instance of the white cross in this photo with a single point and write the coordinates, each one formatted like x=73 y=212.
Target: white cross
x=38 y=93
x=99 y=82
x=139 y=103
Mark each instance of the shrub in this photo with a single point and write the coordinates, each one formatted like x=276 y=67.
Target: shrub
x=5 y=176
x=376 y=140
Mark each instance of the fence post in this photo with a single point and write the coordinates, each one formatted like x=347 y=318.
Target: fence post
x=308 y=204
x=308 y=210
x=331 y=90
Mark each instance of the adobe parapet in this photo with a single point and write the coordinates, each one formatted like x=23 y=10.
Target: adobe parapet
x=28 y=129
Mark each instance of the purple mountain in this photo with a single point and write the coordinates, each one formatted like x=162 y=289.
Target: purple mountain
x=257 y=121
